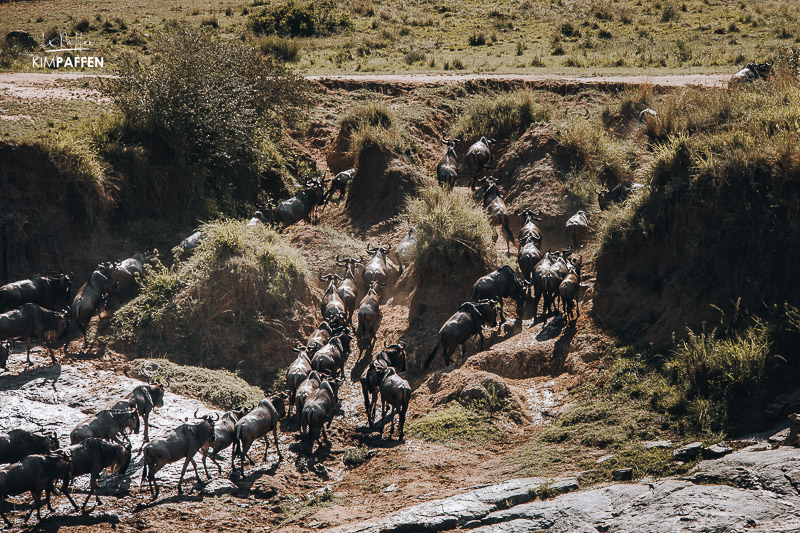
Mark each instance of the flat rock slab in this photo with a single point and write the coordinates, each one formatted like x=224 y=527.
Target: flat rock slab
x=775 y=470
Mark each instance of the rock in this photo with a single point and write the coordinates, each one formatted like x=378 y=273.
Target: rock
x=715 y=451
x=779 y=437
x=688 y=452
x=753 y=470
x=649 y=445
x=390 y=488
x=605 y=458
x=622 y=474
x=218 y=487
x=22 y=39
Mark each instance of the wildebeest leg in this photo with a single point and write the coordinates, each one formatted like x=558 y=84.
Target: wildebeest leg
x=3 y=513
x=480 y=334
x=371 y=412
x=146 y=418
x=275 y=434
x=92 y=490
x=213 y=458
x=28 y=345
x=208 y=476
x=65 y=492
x=383 y=418
x=183 y=471
x=266 y=449
x=402 y=420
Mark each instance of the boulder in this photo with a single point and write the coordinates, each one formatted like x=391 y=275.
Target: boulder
x=218 y=487
x=21 y=39
x=688 y=452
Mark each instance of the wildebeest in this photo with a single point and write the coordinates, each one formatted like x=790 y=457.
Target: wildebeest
x=128 y=273
x=31 y=321
x=405 y=250
x=5 y=351
x=108 y=425
x=396 y=393
x=570 y=287
x=752 y=72
x=620 y=193
x=143 y=399
x=192 y=241
x=92 y=456
x=376 y=269
x=392 y=355
x=577 y=228
x=447 y=168
x=50 y=292
x=530 y=231
x=183 y=442
x=528 y=257
x=318 y=408
x=301 y=205
x=333 y=355
x=258 y=423
x=498 y=212
x=20 y=443
x=466 y=322
x=547 y=278
x=297 y=373
x=263 y=214
x=332 y=307
x=369 y=318
x=479 y=157
x=91 y=295
x=224 y=433
x=347 y=289
x=339 y=184
x=305 y=389
x=502 y=283
x=318 y=339
x=34 y=474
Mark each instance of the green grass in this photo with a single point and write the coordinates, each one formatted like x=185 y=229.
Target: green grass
x=499 y=116
x=220 y=388
x=374 y=124
x=456 y=426
x=293 y=512
x=356 y=456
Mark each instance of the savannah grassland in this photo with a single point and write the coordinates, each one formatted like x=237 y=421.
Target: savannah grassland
x=504 y=36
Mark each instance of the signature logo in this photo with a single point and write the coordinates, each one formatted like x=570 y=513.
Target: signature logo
x=63 y=43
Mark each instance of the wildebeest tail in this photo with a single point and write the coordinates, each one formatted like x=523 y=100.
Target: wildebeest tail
x=505 y=222
x=431 y=356
x=144 y=471
x=237 y=442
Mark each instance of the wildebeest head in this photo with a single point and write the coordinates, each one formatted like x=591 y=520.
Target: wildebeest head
x=331 y=279
x=488 y=311
x=239 y=412
x=396 y=354
x=278 y=401
x=131 y=421
x=492 y=188
x=451 y=144
x=210 y=421
x=602 y=198
x=373 y=251
x=528 y=215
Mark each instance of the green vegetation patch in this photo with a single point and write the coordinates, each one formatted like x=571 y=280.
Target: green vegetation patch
x=328 y=498
x=500 y=116
x=456 y=426
x=374 y=125
x=300 y=20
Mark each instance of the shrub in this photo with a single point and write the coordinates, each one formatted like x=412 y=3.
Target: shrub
x=414 y=56
x=211 y=22
x=374 y=124
x=82 y=26
x=314 y=18
x=500 y=116
x=451 y=229
x=477 y=39
x=282 y=48
x=588 y=148
x=357 y=456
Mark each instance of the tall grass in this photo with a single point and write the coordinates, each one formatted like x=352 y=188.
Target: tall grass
x=500 y=116
x=374 y=124
x=589 y=150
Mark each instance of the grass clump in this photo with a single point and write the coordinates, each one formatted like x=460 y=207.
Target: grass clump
x=451 y=229
x=456 y=426
x=374 y=125
x=283 y=48
x=500 y=116
x=327 y=498
x=357 y=456
x=592 y=152
x=300 y=20
x=219 y=388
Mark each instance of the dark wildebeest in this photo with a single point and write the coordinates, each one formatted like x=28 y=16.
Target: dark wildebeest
x=5 y=351
x=333 y=355
x=498 y=212
x=502 y=283
x=530 y=231
x=128 y=274
x=577 y=229
x=376 y=269
x=34 y=474
x=144 y=399
x=339 y=184
x=224 y=433
x=620 y=193
x=301 y=205
x=393 y=355
x=192 y=241
x=318 y=408
x=332 y=306
x=751 y=72
x=347 y=289
x=306 y=389
x=297 y=373
x=447 y=168
x=107 y=425
x=405 y=250
x=396 y=393
x=258 y=423
x=91 y=295
x=20 y=443
x=369 y=319
x=92 y=456
x=528 y=257
x=50 y=292
x=570 y=288
x=181 y=443
x=318 y=339
x=34 y=322
x=264 y=214
x=547 y=277
x=479 y=156
x=466 y=322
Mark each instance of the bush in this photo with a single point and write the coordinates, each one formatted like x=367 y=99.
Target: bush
x=477 y=39
x=306 y=20
x=280 y=47
x=451 y=229
x=588 y=149
x=500 y=116
x=374 y=124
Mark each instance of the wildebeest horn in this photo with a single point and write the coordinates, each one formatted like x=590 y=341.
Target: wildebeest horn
x=384 y=344
x=195 y=413
x=360 y=260
x=370 y=249
x=217 y=417
x=445 y=140
x=402 y=345
x=341 y=261
x=326 y=277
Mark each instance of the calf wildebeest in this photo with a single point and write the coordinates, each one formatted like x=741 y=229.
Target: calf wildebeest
x=128 y=273
x=318 y=339
x=339 y=184
x=620 y=193
x=498 y=212
x=5 y=351
x=107 y=425
x=752 y=72
x=92 y=456
x=569 y=288
x=394 y=355
x=301 y=205
x=20 y=443
x=577 y=229
x=333 y=355
x=405 y=250
x=479 y=157
x=192 y=241
x=447 y=168
x=502 y=283
x=183 y=442
x=297 y=373
x=369 y=318
x=50 y=292
x=91 y=295
x=466 y=322
x=396 y=393
x=143 y=399
x=30 y=322
x=376 y=269
x=258 y=423
x=530 y=231
x=332 y=306
x=318 y=408
x=34 y=474
x=306 y=389
x=347 y=289
x=263 y=214
x=224 y=433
